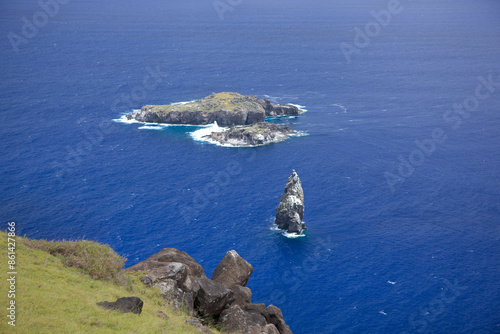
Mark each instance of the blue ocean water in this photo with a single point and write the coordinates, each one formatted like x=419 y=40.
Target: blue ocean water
x=393 y=246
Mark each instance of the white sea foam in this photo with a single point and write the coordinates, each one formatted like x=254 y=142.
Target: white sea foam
x=206 y=130
x=341 y=107
x=299 y=134
x=275 y=228
x=183 y=102
x=278 y=99
x=157 y=127
x=123 y=119
x=302 y=108
x=293 y=235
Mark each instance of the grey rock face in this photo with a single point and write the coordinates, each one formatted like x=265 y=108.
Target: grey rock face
x=290 y=210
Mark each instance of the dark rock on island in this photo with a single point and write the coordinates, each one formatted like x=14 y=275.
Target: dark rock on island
x=225 y=299
x=253 y=135
x=227 y=109
x=290 y=210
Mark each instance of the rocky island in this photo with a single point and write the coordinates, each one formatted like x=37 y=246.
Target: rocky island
x=290 y=210
x=244 y=115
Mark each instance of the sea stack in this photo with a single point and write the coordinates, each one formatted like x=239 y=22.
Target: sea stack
x=290 y=210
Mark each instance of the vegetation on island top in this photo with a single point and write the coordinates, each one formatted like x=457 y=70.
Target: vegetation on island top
x=59 y=283
x=211 y=103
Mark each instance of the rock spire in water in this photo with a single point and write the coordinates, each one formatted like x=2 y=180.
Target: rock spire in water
x=290 y=210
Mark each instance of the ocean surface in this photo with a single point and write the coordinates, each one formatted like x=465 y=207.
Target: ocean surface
x=400 y=165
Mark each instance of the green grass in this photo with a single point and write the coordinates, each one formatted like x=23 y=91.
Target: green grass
x=57 y=291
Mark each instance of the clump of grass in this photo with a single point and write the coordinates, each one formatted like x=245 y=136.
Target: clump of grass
x=97 y=260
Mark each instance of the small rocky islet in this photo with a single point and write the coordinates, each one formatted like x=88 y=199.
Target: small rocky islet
x=242 y=116
x=290 y=210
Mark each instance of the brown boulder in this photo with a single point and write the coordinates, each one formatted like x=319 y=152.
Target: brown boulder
x=177 y=298
x=242 y=295
x=237 y=320
x=212 y=297
x=232 y=269
x=168 y=255
x=274 y=316
x=174 y=270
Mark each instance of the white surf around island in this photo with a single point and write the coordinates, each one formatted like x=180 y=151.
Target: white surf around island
x=275 y=228
x=155 y=126
x=201 y=134
x=301 y=108
x=124 y=120
x=145 y=126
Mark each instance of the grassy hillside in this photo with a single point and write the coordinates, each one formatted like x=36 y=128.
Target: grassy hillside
x=59 y=284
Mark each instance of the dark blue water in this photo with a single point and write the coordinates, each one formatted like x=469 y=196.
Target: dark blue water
x=391 y=247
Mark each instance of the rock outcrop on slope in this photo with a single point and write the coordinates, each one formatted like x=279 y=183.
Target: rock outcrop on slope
x=224 y=298
x=124 y=304
x=253 y=135
x=227 y=109
x=290 y=210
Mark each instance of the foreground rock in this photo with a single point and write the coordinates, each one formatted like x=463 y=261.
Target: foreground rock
x=224 y=298
x=227 y=109
x=290 y=210
x=212 y=298
x=253 y=135
x=124 y=304
x=232 y=270
x=167 y=256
